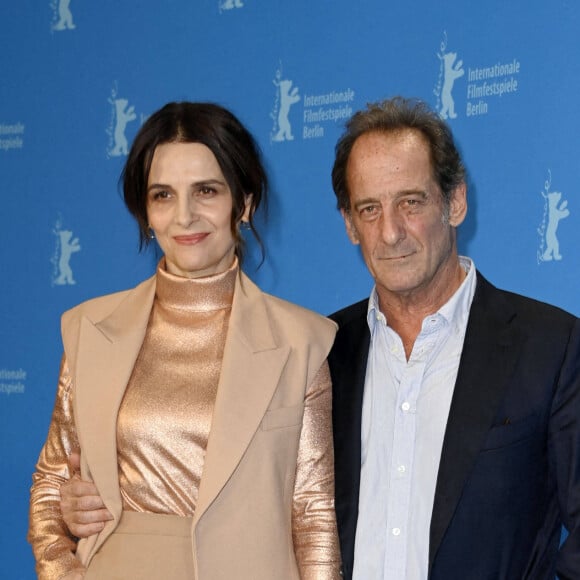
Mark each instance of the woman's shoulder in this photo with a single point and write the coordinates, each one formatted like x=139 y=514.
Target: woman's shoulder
x=295 y=324
x=293 y=311
x=101 y=306
x=289 y=314
x=304 y=330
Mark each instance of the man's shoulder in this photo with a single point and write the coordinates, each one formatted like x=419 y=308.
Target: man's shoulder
x=353 y=335
x=353 y=313
x=531 y=309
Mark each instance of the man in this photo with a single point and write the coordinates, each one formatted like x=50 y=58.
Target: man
x=456 y=405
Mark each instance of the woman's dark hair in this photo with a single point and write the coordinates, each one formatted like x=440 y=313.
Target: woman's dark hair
x=236 y=151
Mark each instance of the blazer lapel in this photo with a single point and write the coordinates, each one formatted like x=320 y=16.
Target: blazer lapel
x=251 y=369
x=107 y=351
x=485 y=369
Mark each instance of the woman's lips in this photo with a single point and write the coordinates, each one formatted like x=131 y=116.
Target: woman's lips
x=190 y=239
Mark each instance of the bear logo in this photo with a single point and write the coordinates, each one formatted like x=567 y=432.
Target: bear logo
x=65 y=18
x=231 y=4
x=556 y=212
x=66 y=247
x=123 y=115
x=451 y=72
x=288 y=96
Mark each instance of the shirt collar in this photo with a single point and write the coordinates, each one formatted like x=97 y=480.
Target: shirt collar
x=455 y=311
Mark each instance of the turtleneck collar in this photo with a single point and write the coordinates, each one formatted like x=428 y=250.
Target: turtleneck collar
x=196 y=294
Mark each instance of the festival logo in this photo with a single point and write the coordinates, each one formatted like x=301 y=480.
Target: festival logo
x=121 y=115
x=62 y=18
x=65 y=246
x=318 y=108
x=12 y=382
x=555 y=209
x=450 y=69
x=11 y=136
x=230 y=4
x=286 y=96
x=484 y=84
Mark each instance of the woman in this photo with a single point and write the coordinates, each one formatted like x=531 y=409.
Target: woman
x=201 y=405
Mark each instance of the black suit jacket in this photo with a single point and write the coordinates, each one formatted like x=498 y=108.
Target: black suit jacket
x=509 y=474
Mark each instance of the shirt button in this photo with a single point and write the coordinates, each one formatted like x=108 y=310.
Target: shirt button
x=396 y=531
x=401 y=469
x=405 y=406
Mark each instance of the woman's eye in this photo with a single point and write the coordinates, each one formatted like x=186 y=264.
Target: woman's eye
x=207 y=191
x=159 y=195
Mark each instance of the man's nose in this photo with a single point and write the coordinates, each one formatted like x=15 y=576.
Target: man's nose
x=392 y=226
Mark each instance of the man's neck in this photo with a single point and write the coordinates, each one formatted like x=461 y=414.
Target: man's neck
x=405 y=312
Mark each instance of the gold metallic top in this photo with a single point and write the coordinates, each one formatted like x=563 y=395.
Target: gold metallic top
x=163 y=427
x=53 y=545
x=165 y=417
x=313 y=518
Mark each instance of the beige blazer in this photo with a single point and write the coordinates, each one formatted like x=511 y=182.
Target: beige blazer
x=273 y=350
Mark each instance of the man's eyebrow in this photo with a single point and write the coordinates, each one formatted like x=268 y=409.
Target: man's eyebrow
x=366 y=201
x=405 y=192
x=402 y=193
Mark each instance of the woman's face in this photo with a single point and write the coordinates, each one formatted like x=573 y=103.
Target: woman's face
x=189 y=208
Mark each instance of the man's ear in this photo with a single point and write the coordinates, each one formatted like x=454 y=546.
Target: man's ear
x=458 y=205
x=350 y=229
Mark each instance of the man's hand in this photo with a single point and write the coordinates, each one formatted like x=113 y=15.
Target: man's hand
x=81 y=505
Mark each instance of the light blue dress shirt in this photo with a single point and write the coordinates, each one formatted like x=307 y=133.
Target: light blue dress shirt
x=404 y=415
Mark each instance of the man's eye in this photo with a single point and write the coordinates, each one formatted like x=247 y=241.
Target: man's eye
x=369 y=212
x=412 y=202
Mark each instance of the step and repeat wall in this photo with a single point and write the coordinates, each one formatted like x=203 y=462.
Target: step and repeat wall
x=79 y=78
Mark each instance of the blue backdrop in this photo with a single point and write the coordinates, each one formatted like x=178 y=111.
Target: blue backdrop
x=79 y=78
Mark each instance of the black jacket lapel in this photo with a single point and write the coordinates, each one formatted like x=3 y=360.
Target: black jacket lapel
x=485 y=368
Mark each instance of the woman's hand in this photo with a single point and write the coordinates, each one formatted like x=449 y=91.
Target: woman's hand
x=81 y=505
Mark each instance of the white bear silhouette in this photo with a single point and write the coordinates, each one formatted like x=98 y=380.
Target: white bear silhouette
x=67 y=247
x=451 y=73
x=287 y=99
x=65 y=19
x=229 y=4
x=123 y=115
x=555 y=214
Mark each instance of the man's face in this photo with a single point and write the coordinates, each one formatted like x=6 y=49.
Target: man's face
x=398 y=216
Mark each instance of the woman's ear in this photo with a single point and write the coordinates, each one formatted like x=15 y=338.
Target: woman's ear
x=247 y=208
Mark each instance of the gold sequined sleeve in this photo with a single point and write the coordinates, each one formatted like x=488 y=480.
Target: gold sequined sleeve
x=313 y=517
x=52 y=544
